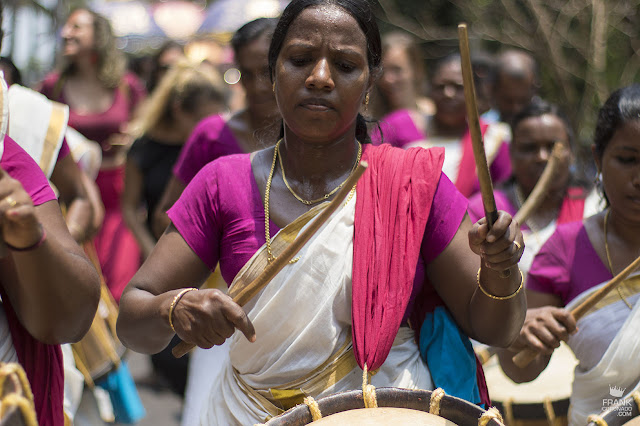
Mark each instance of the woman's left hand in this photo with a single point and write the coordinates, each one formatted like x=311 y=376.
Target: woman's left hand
x=499 y=247
x=19 y=224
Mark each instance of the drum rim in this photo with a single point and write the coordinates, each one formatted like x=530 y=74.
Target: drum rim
x=613 y=419
x=534 y=410
x=453 y=409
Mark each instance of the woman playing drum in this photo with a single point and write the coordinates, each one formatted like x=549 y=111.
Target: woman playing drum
x=400 y=243
x=580 y=256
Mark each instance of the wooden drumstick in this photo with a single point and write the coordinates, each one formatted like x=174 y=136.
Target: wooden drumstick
x=486 y=187
x=525 y=356
x=542 y=186
x=288 y=253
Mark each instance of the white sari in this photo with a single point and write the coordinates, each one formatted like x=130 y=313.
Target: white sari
x=302 y=320
x=607 y=345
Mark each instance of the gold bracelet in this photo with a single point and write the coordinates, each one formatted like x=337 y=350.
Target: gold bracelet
x=175 y=301
x=514 y=294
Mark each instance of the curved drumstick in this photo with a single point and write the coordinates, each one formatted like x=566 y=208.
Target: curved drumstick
x=540 y=190
x=525 y=356
x=486 y=187
x=288 y=253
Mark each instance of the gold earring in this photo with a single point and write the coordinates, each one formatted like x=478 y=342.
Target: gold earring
x=366 y=99
x=273 y=88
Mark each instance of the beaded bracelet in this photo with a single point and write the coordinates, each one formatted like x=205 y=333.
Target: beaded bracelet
x=175 y=301
x=32 y=246
x=500 y=297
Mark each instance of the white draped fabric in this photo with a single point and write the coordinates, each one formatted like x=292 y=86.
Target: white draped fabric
x=302 y=318
x=607 y=345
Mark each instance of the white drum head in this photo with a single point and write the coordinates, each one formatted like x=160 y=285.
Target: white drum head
x=554 y=382
x=383 y=416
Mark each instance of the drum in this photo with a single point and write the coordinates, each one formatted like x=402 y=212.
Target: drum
x=400 y=406
x=16 y=399
x=99 y=352
x=625 y=412
x=544 y=401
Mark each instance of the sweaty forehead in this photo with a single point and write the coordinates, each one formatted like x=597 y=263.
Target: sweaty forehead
x=326 y=23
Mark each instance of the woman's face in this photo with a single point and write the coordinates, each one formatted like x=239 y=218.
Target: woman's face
x=397 y=82
x=533 y=141
x=77 y=34
x=620 y=166
x=253 y=64
x=322 y=74
x=448 y=95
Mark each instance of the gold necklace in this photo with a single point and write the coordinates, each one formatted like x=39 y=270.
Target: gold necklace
x=325 y=196
x=267 y=191
x=606 y=249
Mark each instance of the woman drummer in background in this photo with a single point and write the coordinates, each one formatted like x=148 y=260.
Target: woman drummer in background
x=221 y=135
x=334 y=311
x=580 y=256
x=535 y=131
x=448 y=128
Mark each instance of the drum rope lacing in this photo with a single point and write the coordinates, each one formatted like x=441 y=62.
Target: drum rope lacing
x=491 y=414
x=594 y=418
x=636 y=397
x=549 y=411
x=314 y=408
x=368 y=390
x=434 y=401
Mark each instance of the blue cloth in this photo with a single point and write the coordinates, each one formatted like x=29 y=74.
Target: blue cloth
x=491 y=116
x=126 y=402
x=449 y=356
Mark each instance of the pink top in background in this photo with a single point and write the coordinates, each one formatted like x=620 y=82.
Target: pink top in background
x=211 y=139
x=99 y=127
x=567 y=264
x=399 y=129
x=20 y=166
x=221 y=217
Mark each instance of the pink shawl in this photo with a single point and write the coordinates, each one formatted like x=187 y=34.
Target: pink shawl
x=392 y=208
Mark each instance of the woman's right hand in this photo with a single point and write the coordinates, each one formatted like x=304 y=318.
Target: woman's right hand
x=544 y=328
x=208 y=317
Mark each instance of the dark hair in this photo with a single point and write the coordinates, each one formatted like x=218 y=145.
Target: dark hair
x=16 y=76
x=528 y=67
x=361 y=11
x=251 y=31
x=538 y=108
x=156 y=68
x=622 y=106
x=440 y=63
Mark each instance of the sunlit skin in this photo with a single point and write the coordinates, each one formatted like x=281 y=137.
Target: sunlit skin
x=322 y=74
x=448 y=95
x=397 y=82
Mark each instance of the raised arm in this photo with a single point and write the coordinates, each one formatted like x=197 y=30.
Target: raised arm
x=50 y=283
x=457 y=278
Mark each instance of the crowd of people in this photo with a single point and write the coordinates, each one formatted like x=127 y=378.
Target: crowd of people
x=172 y=204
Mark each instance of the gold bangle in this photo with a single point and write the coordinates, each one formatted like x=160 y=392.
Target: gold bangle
x=175 y=301
x=514 y=294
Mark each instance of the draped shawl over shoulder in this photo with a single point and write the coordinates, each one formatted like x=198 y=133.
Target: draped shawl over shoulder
x=393 y=202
